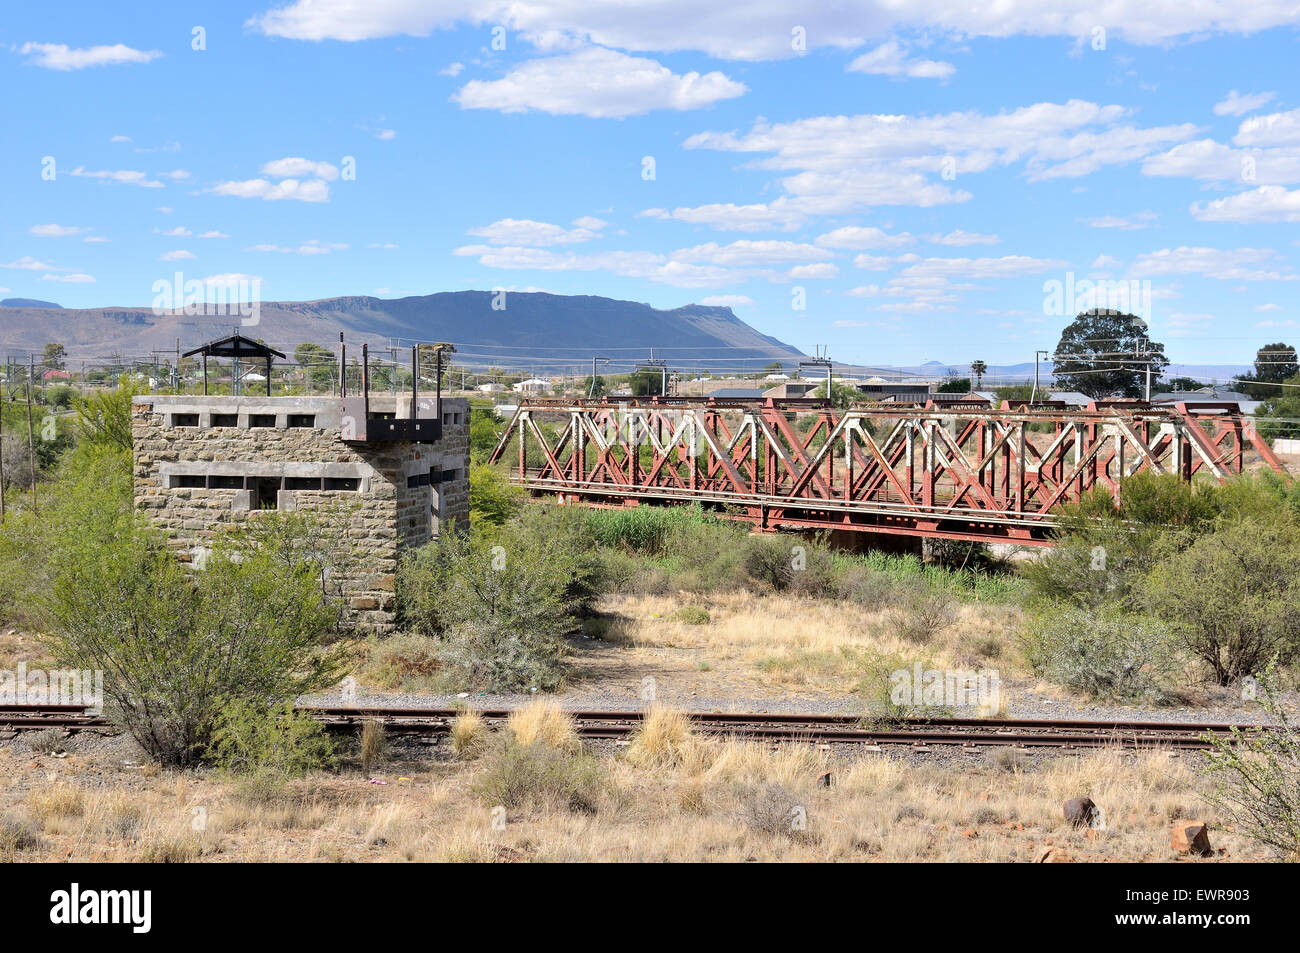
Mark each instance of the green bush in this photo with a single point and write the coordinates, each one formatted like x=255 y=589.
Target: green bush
x=1258 y=780
x=174 y=647
x=517 y=775
x=1106 y=655
x=267 y=745
x=692 y=615
x=492 y=498
x=1233 y=596
x=491 y=655
x=406 y=661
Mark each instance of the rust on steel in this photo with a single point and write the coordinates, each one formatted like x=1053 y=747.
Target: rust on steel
x=963 y=471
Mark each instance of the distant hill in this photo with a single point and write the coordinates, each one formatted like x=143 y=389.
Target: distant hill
x=28 y=303
x=534 y=330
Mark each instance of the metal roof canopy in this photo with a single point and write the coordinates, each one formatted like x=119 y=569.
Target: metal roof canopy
x=237 y=347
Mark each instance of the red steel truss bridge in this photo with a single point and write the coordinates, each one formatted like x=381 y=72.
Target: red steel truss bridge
x=952 y=471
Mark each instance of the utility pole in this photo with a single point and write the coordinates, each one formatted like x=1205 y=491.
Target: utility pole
x=31 y=446
x=823 y=360
x=592 y=390
x=1034 y=392
x=663 y=376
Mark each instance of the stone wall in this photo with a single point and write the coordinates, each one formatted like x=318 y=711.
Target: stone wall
x=204 y=463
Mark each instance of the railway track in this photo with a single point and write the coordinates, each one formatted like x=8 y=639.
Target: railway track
x=758 y=726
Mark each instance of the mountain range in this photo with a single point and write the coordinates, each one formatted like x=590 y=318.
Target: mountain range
x=525 y=329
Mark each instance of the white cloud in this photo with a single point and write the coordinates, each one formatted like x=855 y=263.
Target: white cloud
x=762 y=28
x=1213 y=161
x=1269 y=306
x=728 y=217
x=213 y=234
x=599 y=83
x=180 y=231
x=822 y=270
x=179 y=255
x=1240 y=264
x=1278 y=129
x=295 y=167
x=96 y=239
x=28 y=263
x=591 y=222
x=525 y=231
x=1105 y=261
x=727 y=301
x=57 y=231
x=1126 y=224
x=957 y=238
x=745 y=252
x=1237 y=104
x=855 y=238
x=387 y=246
x=842 y=164
x=59 y=56
x=1268 y=203
x=122 y=177
x=1008 y=266
x=120 y=139
x=73 y=279
x=313 y=190
x=313 y=246
x=386 y=134
x=453 y=69
x=890 y=59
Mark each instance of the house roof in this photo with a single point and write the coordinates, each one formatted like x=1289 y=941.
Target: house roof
x=235 y=346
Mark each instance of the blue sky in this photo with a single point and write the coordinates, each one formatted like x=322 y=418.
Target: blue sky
x=898 y=186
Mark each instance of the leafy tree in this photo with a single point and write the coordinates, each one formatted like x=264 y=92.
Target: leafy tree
x=599 y=390
x=1184 y=383
x=1274 y=364
x=1277 y=416
x=104 y=417
x=1105 y=353
x=320 y=363
x=775 y=367
x=175 y=647
x=55 y=357
x=844 y=395
x=955 y=385
x=646 y=382
x=492 y=498
x=978 y=369
x=1234 y=596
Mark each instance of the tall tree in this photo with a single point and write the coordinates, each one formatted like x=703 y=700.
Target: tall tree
x=1106 y=353
x=56 y=356
x=1274 y=365
x=978 y=369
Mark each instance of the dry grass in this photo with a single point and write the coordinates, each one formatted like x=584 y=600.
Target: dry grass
x=665 y=739
x=546 y=722
x=374 y=745
x=468 y=734
x=788 y=642
x=731 y=801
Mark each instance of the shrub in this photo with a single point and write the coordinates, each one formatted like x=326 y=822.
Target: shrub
x=176 y=649
x=774 y=810
x=493 y=656
x=266 y=746
x=403 y=661
x=691 y=615
x=1106 y=655
x=18 y=834
x=517 y=774
x=1234 y=596
x=1258 y=779
x=665 y=739
x=769 y=561
x=921 y=613
x=46 y=741
x=468 y=734
x=492 y=498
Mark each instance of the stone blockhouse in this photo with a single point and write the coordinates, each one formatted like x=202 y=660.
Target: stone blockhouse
x=201 y=463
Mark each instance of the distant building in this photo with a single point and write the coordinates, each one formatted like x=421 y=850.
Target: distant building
x=534 y=385
x=877 y=388
x=492 y=388
x=1245 y=403
x=793 y=389
x=738 y=393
